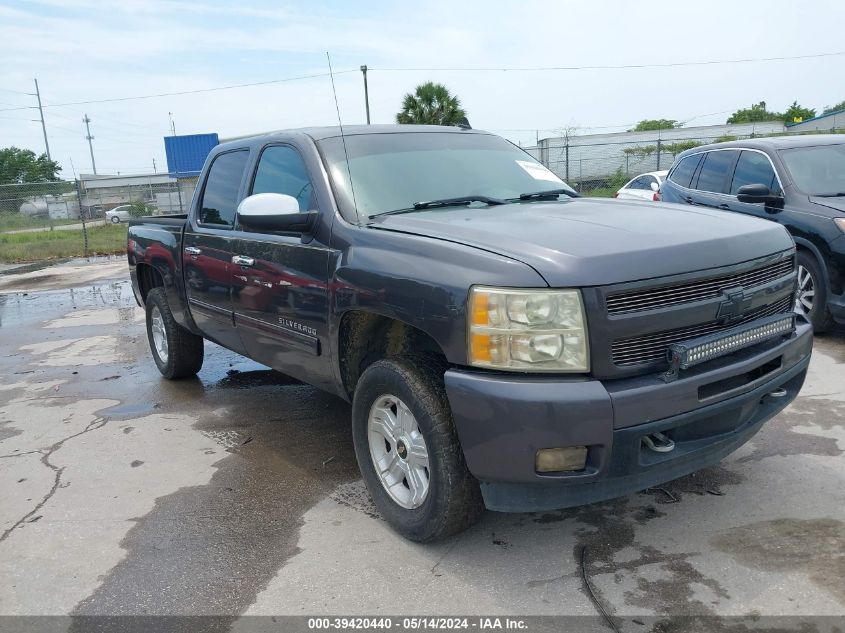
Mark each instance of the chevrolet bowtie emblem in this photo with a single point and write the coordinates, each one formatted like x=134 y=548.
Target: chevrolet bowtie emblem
x=733 y=307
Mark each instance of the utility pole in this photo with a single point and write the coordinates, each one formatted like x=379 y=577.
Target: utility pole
x=366 y=93
x=175 y=170
x=41 y=111
x=90 y=138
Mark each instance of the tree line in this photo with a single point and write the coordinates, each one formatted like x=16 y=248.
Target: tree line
x=755 y=113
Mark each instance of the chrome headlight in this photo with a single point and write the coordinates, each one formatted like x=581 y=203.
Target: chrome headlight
x=527 y=330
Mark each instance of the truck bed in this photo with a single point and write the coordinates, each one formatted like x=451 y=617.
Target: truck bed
x=173 y=219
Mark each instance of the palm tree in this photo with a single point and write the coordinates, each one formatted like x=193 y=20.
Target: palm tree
x=431 y=104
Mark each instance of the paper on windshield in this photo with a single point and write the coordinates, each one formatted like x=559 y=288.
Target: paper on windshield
x=537 y=171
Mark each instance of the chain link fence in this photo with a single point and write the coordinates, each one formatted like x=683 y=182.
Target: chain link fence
x=81 y=218
x=599 y=167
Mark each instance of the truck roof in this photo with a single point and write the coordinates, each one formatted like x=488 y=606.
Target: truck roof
x=320 y=133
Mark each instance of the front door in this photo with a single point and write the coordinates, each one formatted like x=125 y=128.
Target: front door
x=280 y=288
x=209 y=247
x=754 y=168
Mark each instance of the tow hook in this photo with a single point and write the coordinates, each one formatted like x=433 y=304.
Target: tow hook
x=780 y=392
x=658 y=442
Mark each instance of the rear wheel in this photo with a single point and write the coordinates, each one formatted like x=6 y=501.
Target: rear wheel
x=408 y=450
x=177 y=352
x=811 y=296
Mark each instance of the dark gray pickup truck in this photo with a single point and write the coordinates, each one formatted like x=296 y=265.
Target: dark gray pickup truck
x=503 y=342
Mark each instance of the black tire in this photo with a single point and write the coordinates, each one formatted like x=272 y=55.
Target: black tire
x=115 y=219
x=184 y=349
x=819 y=315
x=453 y=502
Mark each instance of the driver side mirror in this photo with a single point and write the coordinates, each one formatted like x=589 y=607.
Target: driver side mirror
x=274 y=212
x=654 y=186
x=757 y=193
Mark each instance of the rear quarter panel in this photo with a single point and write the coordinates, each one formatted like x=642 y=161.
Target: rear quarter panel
x=157 y=242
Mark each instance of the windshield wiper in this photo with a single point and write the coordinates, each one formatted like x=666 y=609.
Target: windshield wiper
x=548 y=193
x=831 y=195
x=444 y=202
x=452 y=202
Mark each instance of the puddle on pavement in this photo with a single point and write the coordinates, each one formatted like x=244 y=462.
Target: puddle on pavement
x=811 y=546
x=130 y=410
x=213 y=548
x=29 y=308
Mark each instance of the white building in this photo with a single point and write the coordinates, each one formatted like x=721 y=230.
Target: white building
x=596 y=156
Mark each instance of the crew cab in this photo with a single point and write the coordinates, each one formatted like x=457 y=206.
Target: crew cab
x=503 y=342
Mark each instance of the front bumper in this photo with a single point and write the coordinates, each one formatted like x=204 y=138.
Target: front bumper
x=711 y=410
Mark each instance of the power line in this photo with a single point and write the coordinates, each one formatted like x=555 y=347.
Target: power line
x=442 y=69
x=610 y=67
x=183 y=92
x=20 y=92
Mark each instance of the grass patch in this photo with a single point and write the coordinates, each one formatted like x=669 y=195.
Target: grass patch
x=32 y=247
x=600 y=192
x=15 y=221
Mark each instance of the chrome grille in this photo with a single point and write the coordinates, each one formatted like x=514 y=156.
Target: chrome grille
x=651 y=298
x=651 y=348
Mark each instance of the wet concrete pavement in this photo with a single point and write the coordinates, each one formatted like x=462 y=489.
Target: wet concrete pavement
x=238 y=493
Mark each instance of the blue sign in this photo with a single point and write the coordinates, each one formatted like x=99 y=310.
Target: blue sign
x=186 y=154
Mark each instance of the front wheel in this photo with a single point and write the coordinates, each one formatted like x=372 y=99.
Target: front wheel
x=811 y=295
x=408 y=450
x=177 y=352
x=115 y=219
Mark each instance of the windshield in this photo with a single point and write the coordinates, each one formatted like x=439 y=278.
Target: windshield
x=395 y=171
x=817 y=171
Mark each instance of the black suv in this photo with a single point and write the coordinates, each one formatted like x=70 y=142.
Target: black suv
x=798 y=181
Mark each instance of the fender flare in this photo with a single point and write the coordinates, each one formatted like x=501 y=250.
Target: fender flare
x=808 y=245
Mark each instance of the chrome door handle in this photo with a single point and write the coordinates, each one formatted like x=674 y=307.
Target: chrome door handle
x=192 y=250
x=240 y=260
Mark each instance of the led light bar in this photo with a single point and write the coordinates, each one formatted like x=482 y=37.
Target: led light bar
x=700 y=350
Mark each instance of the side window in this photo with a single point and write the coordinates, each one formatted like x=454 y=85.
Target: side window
x=640 y=183
x=281 y=170
x=682 y=174
x=754 y=168
x=714 y=171
x=220 y=197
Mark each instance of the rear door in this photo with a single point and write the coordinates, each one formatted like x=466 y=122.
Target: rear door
x=281 y=298
x=209 y=246
x=710 y=185
x=677 y=188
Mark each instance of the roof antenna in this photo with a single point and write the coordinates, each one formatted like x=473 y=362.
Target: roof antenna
x=343 y=139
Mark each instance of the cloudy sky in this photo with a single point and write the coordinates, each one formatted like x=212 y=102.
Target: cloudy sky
x=92 y=50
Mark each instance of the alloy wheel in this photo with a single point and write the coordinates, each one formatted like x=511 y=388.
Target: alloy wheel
x=398 y=451
x=159 y=334
x=806 y=291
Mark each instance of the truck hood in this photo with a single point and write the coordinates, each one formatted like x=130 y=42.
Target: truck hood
x=593 y=242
